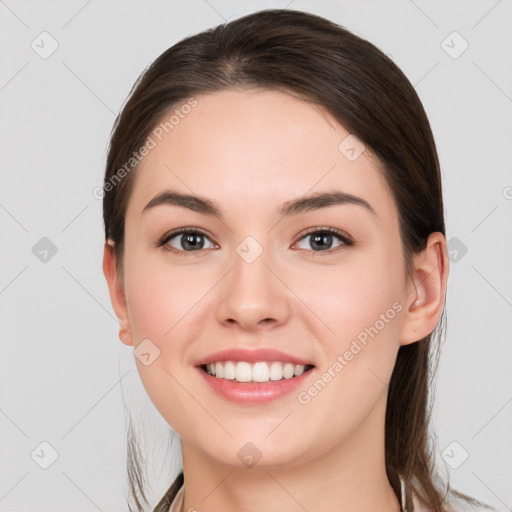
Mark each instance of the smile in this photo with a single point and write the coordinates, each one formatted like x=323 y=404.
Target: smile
x=254 y=376
x=261 y=371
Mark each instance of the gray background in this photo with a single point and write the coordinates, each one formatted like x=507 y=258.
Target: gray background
x=63 y=370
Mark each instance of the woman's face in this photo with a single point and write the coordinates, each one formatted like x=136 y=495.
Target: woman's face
x=266 y=279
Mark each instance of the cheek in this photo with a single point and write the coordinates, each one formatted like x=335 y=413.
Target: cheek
x=362 y=305
x=354 y=297
x=161 y=303
x=161 y=296
x=164 y=301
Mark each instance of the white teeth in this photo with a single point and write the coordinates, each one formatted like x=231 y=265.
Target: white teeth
x=229 y=370
x=243 y=371
x=276 y=371
x=288 y=370
x=260 y=372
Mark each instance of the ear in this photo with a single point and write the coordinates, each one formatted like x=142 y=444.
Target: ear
x=425 y=300
x=116 y=290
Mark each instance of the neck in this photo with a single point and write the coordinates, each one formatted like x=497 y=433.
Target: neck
x=349 y=478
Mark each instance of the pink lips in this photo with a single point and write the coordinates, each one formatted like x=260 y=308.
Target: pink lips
x=251 y=356
x=252 y=393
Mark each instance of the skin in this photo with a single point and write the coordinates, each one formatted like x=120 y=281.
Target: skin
x=249 y=152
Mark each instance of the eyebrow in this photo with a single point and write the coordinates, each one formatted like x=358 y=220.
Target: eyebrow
x=310 y=202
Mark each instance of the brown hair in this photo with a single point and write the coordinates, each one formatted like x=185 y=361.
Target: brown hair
x=369 y=95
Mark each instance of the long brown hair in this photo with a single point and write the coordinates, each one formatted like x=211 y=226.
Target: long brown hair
x=369 y=95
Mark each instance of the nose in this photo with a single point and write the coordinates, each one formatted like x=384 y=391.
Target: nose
x=253 y=296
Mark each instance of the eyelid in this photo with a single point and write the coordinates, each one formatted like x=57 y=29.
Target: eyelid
x=324 y=229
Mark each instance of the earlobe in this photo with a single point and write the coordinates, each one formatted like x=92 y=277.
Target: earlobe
x=116 y=291
x=427 y=294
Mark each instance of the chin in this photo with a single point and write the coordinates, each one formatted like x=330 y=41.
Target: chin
x=257 y=454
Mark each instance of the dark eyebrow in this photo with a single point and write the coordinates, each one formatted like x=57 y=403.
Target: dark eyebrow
x=323 y=200
x=196 y=203
x=307 y=203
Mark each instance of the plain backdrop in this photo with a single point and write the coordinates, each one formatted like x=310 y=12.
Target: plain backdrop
x=65 y=378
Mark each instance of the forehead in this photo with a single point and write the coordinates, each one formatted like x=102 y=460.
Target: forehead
x=254 y=150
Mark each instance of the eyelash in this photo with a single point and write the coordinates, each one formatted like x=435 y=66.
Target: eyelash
x=347 y=241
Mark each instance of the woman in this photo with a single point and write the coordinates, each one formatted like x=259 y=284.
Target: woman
x=276 y=255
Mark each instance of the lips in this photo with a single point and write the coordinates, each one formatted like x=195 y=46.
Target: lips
x=253 y=376
x=252 y=356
